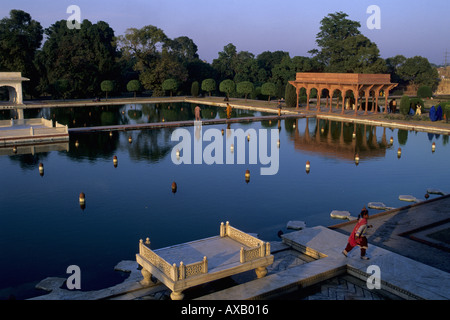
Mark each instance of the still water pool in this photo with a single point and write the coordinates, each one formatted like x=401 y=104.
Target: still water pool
x=43 y=230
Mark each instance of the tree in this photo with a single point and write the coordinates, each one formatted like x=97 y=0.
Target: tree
x=359 y=55
x=404 y=105
x=268 y=89
x=134 y=86
x=286 y=70
x=344 y=49
x=194 y=89
x=224 y=63
x=418 y=71
x=393 y=64
x=424 y=92
x=245 y=88
x=61 y=88
x=107 y=86
x=209 y=85
x=268 y=60
x=184 y=48
x=85 y=56
x=170 y=85
x=143 y=44
x=290 y=96
x=227 y=86
x=245 y=67
x=156 y=57
x=20 y=37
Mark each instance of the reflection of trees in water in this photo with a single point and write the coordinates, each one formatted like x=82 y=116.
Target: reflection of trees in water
x=29 y=161
x=93 y=146
x=152 y=145
x=90 y=116
x=75 y=117
x=402 y=136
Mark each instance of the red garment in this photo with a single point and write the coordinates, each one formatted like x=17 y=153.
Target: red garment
x=358 y=241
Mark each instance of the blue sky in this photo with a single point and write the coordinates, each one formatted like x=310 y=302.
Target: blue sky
x=408 y=27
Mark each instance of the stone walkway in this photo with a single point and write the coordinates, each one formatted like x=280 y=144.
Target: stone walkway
x=339 y=288
x=404 y=231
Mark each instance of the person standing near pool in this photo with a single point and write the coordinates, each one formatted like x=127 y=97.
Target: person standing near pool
x=357 y=237
x=197 y=113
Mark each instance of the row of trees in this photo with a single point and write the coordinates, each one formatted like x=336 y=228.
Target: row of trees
x=227 y=87
x=90 y=61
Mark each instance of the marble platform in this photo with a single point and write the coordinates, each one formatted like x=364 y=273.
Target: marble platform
x=205 y=260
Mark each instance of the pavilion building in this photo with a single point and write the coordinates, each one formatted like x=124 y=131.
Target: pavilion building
x=329 y=84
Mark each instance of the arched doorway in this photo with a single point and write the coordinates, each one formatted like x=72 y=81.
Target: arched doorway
x=12 y=83
x=8 y=94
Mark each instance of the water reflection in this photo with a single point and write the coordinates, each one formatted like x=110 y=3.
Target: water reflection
x=135 y=200
x=343 y=140
x=90 y=116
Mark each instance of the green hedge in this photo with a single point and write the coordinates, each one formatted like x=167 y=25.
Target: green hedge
x=424 y=92
x=446 y=109
x=404 y=105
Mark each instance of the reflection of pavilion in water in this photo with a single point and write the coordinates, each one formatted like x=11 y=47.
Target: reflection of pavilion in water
x=34 y=148
x=341 y=140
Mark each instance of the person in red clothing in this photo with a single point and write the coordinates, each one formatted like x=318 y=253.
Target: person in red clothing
x=357 y=237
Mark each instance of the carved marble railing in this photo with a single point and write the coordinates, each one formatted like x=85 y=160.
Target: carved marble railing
x=174 y=272
x=257 y=248
x=252 y=249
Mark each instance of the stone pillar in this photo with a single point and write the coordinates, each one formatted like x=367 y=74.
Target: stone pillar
x=19 y=93
x=386 y=102
x=319 y=93
x=20 y=113
x=356 y=95
x=307 y=99
x=366 y=94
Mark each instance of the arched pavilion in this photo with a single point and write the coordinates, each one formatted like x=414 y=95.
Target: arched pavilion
x=13 y=82
x=359 y=84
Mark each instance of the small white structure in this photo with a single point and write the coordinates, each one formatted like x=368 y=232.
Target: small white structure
x=296 y=225
x=205 y=260
x=31 y=131
x=379 y=206
x=338 y=214
x=13 y=82
x=408 y=198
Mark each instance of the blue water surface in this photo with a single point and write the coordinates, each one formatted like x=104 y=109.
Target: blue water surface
x=43 y=229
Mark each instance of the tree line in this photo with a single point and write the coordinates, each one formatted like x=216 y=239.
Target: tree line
x=92 y=61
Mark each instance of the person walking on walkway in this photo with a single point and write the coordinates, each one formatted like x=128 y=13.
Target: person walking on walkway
x=228 y=111
x=357 y=237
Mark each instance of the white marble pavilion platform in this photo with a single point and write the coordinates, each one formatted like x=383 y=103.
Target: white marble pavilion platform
x=205 y=260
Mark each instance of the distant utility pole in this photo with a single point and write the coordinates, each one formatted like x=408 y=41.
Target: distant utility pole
x=445 y=58
x=446 y=71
